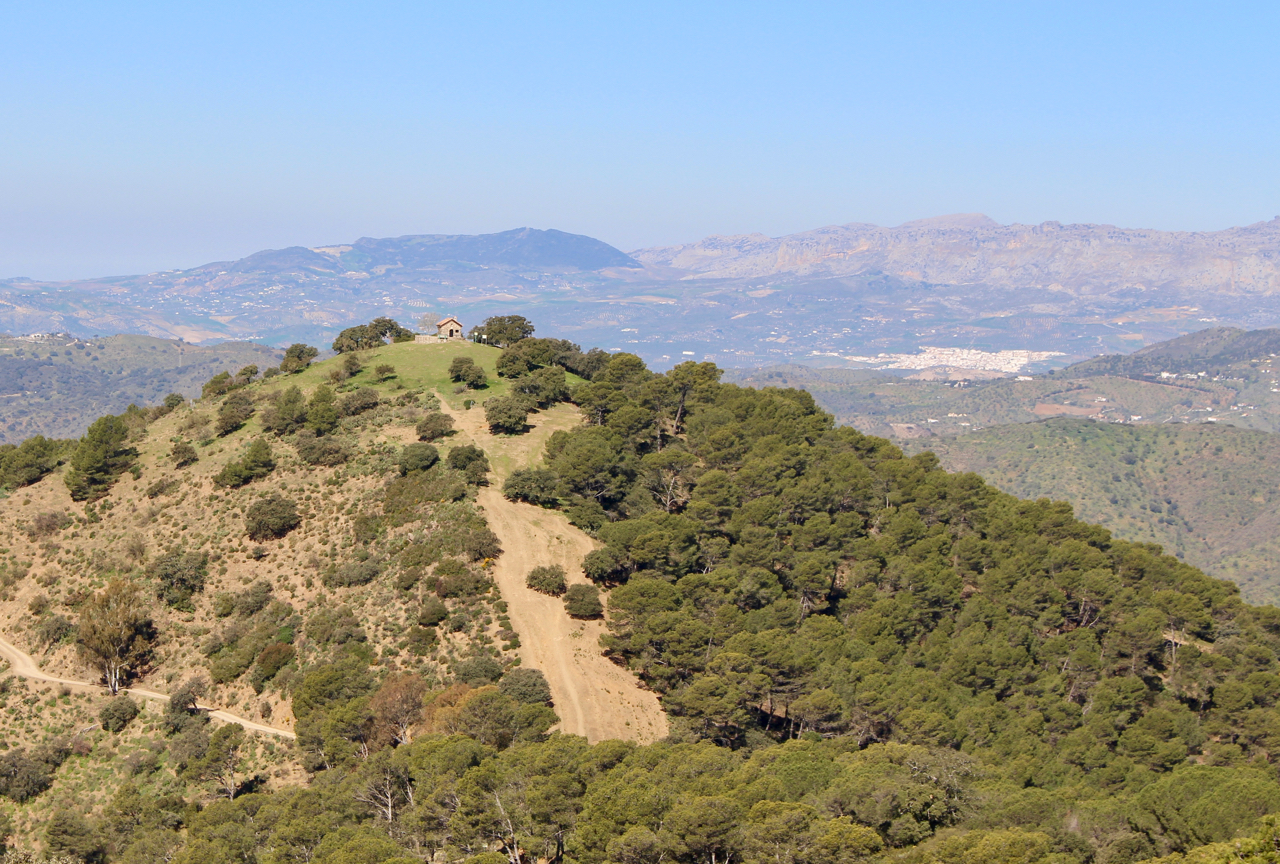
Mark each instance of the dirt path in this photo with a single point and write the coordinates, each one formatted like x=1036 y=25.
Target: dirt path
x=593 y=696
x=24 y=666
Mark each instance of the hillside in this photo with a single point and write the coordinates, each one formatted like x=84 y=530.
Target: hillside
x=861 y=657
x=57 y=385
x=1202 y=493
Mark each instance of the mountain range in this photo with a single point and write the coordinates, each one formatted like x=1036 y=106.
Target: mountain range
x=835 y=296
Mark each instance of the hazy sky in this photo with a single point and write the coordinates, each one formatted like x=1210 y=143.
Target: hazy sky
x=144 y=136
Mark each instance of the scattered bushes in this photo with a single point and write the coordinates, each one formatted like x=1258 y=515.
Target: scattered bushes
x=415 y=458
x=383 y=371
x=434 y=426
x=118 y=713
x=257 y=462
x=533 y=485
x=271 y=517
x=583 y=601
x=547 y=580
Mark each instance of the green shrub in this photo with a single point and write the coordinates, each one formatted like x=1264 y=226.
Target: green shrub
x=322 y=414
x=455 y=579
x=183 y=454
x=271 y=517
x=433 y=611
x=118 y=713
x=99 y=458
x=297 y=357
x=288 y=414
x=352 y=573
x=253 y=599
x=434 y=426
x=358 y=402
x=69 y=834
x=480 y=669
x=422 y=640
x=601 y=565
x=458 y=367
x=257 y=462
x=327 y=451
x=384 y=371
x=273 y=658
x=471 y=461
x=583 y=601
x=547 y=580
x=179 y=575
x=235 y=411
x=417 y=457
x=506 y=414
x=526 y=686
x=532 y=485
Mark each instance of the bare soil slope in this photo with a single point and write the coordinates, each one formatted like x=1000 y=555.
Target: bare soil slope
x=593 y=696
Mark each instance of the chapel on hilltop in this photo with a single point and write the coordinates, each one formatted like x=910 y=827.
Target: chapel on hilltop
x=447 y=328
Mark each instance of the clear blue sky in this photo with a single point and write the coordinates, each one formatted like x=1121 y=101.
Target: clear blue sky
x=143 y=136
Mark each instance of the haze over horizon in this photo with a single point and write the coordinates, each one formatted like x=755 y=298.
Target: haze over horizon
x=152 y=138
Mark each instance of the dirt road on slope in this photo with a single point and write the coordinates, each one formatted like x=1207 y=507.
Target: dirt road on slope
x=24 y=666
x=593 y=696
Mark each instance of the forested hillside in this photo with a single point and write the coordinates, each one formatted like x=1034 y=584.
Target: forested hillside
x=1205 y=493
x=864 y=657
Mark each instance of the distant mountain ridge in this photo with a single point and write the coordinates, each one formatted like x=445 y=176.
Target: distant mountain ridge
x=972 y=248
x=823 y=297
x=521 y=247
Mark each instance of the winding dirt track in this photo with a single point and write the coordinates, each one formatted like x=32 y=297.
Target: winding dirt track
x=594 y=697
x=22 y=665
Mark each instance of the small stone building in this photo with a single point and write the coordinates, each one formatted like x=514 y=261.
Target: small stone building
x=449 y=328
